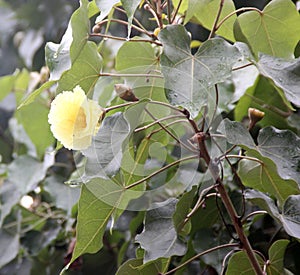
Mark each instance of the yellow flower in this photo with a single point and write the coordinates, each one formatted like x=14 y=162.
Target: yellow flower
x=74 y=118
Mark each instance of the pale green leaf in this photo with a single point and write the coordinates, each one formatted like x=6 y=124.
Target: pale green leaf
x=84 y=71
x=10 y=247
x=274 y=31
x=205 y=11
x=140 y=58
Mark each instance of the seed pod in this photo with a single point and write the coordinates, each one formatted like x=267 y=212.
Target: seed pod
x=96 y=29
x=125 y=92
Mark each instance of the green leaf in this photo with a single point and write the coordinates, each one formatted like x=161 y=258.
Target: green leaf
x=265 y=97
x=31 y=97
x=183 y=208
x=159 y=237
x=205 y=11
x=264 y=177
x=10 y=247
x=274 y=31
x=276 y=257
x=6 y=84
x=140 y=58
x=284 y=73
x=105 y=7
x=39 y=131
x=183 y=6
x=84 y=71
x=105 y=154
x=290 y=217
x=64 y=196
x=205 y=239
x=190 y=78
x=136 y=267
x=93 y=216
x=283 y=147
x=239 y=264
x=59 y=57
x=130 y=6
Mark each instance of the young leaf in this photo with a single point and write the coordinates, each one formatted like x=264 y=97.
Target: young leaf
x=190 y=78
x=276 y=257
x=284 y=73
x=159 y=237
x=274 y=31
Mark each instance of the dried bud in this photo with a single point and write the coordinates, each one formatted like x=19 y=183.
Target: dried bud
x=96 y=29
x=254 y=116
x=125 y=92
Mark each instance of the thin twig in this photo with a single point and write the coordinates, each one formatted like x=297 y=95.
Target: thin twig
x=176 y=11
x=160 y=170
x=124 y=39
x=201 y=254
x=214 y=28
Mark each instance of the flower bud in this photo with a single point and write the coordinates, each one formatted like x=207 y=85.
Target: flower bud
x=96 y=29
x=254 y=115
x=125 y=92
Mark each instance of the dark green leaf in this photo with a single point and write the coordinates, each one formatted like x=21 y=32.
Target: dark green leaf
x=291 y=216
x=283 y=147
x=105 y=154
x=276 y=256
x=182 y=208
x=274 y=31
x=190 y=78
x=239 y=264
x=264 y=177
x=284 y=73
x=159 y=237
x=84 y=71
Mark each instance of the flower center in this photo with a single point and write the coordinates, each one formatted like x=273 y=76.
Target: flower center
x=80 y=120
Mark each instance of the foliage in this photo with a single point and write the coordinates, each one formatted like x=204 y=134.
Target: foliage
x=196 y=164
